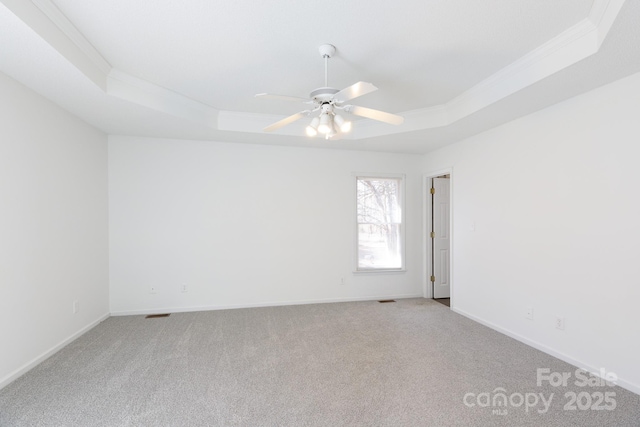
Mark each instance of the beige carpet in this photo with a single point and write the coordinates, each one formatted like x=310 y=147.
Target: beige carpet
x=408 y=363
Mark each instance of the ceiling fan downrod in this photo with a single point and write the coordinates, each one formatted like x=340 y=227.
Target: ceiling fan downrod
x=327 y=51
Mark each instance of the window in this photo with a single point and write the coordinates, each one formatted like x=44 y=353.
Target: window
x=380 y=241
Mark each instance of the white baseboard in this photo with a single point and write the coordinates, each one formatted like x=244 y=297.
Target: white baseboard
x=33 y=363
x=634 y=388
x=261 y=304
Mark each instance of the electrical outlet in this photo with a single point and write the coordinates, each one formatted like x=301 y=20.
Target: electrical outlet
x=560 y=323
x=183 y=288
x=342 y=281
x=153 y=289
x=76 y=307
x=529 y=313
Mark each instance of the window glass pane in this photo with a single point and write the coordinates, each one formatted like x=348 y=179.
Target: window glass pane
x=379 y=201
x=379 y=217
x=379 y=246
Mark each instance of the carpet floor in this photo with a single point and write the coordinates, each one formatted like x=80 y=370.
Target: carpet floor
x=409 y=363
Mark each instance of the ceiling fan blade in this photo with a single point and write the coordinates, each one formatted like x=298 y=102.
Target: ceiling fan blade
x=354 y=91
x=281 y=97
x=369 y=113
x=286 y=121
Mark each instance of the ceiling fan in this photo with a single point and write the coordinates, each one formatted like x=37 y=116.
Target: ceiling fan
x=329 y=101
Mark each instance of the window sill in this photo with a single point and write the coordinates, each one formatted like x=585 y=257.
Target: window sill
x=381 y=271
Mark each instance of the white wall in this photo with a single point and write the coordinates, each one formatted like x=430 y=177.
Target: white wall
x=53 y=228
x=244 y=225
x=554 y=197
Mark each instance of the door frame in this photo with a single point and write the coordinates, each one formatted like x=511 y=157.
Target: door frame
x=427 y=289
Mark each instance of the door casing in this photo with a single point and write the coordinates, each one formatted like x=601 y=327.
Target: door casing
x=426 y=227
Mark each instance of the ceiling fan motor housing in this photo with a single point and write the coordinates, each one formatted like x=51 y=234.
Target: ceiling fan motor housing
x=323 y=94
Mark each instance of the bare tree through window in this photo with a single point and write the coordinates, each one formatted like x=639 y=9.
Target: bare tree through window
x=379 y=223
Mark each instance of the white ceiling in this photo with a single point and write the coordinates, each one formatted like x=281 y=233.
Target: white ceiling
x=190 y=69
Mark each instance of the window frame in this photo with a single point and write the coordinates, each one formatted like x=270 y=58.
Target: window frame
x=402 y=225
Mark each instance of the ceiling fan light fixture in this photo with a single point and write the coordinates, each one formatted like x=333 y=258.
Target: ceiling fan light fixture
x=342 y=124
x=312 y=129
x=325 y=125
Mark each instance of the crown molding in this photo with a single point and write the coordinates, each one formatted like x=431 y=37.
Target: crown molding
x=142 y=92
x=48 y=22
x=424 y=118
x=54 y=27
x=60 y=20
x=602 y=15
x=254 y=122
x=572 y=45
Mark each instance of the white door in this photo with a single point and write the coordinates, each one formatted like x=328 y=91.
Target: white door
x=441 y=243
